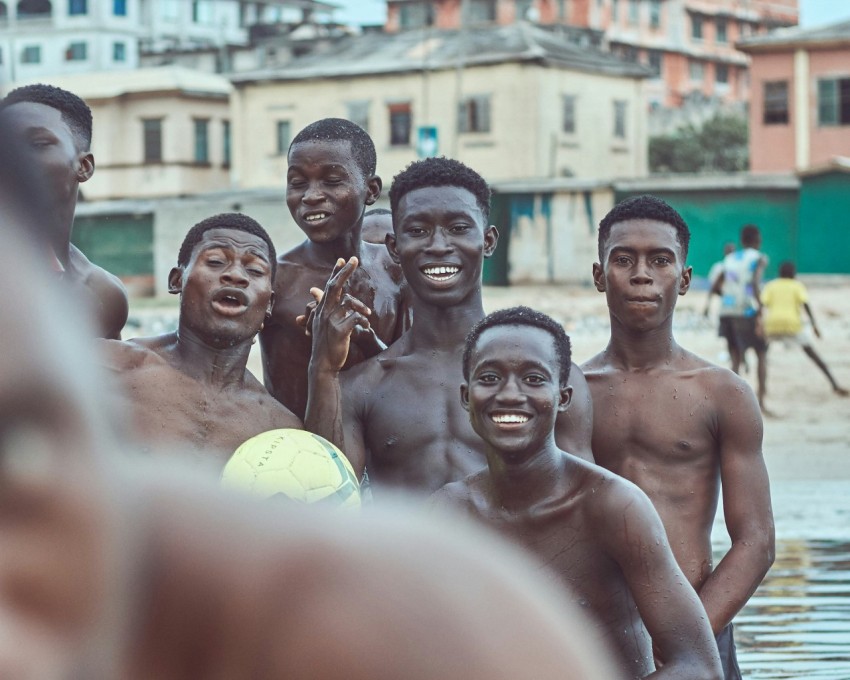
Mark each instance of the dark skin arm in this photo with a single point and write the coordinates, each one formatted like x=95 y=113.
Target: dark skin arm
x=746 y=506
x=574 y=427
x=812 y=319
x=669 y=607
x=334 y=322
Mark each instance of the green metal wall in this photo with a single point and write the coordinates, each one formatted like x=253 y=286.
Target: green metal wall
x=825 y=224
x=716 y=216
x=496 y=266
x=121 y=244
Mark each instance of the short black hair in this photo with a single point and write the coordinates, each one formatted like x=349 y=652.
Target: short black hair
x=644 y=207
x=340 y=129
x=787 y=270
x=750 y=235
x=440 y=172
x=236 y=221
x=377 y=211
x=75 y=112
x=523 y=316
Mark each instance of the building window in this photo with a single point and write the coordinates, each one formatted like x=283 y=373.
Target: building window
x=721 y=30
x=480 y=11
x=400 y=124
x=633 y=11
x=696 y=26
x=776 y=102
x=152 y=139
x=569 y=109
x=696 y=71
x=620 y=118
x=77 y=51
x=744 y=29
x=119 y=51
x=202 y=140
x=473 y=114
x=523 y=7
x=225 y=143
x=834 y=101
x=31 y=54
x=655 y=13
x=615 y=10
x=119 y=8
x=358 y=112
x=655 y=59
x=77 y=7
x=721 y=73
x=202 y=12
x=283 y=137
x=170 y=9
x=416 y=15
x=629 y=53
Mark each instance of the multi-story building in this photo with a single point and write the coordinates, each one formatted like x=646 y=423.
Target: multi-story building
x=688 y=44
x=800 y=110
x=517 y=102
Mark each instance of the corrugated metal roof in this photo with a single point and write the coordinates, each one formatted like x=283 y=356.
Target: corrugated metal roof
x=838 y=32
x=388 y=53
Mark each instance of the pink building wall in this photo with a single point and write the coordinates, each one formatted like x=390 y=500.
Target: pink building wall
x=771 y=146
x=826 y=142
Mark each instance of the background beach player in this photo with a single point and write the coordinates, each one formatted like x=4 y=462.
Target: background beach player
x=190 y=390
x=51 y=129
x=679 y=427
x=329 y=182
x=593 y=531
x=397 y=414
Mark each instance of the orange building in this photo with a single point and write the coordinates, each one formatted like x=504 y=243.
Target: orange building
x=800 y=108
x=689 y=44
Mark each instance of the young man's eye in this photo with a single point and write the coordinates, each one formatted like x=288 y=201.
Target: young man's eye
x=535 y=379
x=459 y=228
x=662 y=260
x=488 y=378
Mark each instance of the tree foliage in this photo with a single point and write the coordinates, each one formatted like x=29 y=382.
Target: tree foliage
x=720 y=145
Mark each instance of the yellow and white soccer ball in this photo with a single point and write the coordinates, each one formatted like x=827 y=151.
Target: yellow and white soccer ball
x=293 y=463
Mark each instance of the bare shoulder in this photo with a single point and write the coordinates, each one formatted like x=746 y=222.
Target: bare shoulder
x=108 y=290
x=371 y=371
x=610 y=499
x=464 y=494
x=128 y=355
x=595 y=365
x=377 y=261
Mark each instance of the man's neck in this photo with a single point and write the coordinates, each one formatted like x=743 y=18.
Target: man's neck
x=327 y=253
x=212 y=365
x=528 y=482
x=443 y=328
x=634 y=350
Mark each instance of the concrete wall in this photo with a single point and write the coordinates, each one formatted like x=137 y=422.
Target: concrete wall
x=827 y=141
x=524 y=140
x=771 y=146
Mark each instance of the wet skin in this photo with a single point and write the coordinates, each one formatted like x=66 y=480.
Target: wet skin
x=46 y=143
x=327 y=195
x=676 y=425
x=398 y=414
x=190 y=391
x=590 y=530
x=376 y=227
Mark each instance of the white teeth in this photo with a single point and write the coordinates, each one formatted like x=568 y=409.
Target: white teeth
x=316 y=217
x=441 y=273
x=510 y=418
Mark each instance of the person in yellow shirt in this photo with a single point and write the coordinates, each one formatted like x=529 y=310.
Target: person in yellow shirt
x=783 y=300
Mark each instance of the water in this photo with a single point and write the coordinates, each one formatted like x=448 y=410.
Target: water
x=797 y=625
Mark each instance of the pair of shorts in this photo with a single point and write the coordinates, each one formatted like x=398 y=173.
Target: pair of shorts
x=728 y=654
x=740 y=332
x=801 y=339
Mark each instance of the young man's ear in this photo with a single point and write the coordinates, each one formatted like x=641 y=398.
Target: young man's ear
x=85 y=166
x=175 y=281
x=270 y=306
x=491 y=239
x=373 y=185
x=685 y=281
x=464 y=396
x=389 y=242
x=565 y=397
x=598 y=277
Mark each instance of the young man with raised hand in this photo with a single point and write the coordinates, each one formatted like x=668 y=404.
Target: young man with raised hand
x=329 y=182
x=595 y=532
x=397 y=414
x=679 y=427
x=190 y=390
x=51 y=129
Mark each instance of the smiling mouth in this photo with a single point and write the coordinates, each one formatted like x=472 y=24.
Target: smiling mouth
x=441 y=272
x=316 y=217
x=509 y=418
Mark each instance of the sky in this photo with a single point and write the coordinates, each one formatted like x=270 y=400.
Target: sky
x=812 y=12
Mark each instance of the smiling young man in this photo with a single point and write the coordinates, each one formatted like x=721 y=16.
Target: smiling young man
x=190 y=391
x=330 y=181
x=52 y=131
x=676 y=425
x=397 y=414
x=596 y=533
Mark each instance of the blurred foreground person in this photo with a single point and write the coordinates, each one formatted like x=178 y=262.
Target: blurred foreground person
x=114 y=568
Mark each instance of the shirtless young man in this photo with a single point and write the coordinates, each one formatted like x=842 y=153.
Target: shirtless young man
x=52 y=130
x=190 y=390
x=377 y=223
x=676 y=425
x=120 y=567
x=397 y=414
x=595 y=532
x=330 y=181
